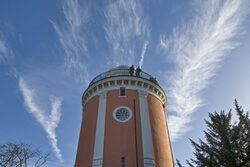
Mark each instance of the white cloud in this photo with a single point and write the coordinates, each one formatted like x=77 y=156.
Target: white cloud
x=72 y=40
x=5 y=51
x=48 y=122
x=126 y=31
x=145 y=45
x=198 y=48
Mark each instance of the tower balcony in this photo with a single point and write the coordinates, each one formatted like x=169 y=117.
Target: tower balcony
x=123 y=70
x=123 y=76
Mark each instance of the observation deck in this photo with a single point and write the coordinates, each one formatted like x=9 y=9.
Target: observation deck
x=124 y=76
x=123 y=70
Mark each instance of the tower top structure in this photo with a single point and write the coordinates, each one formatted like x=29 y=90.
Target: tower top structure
x=124 y=75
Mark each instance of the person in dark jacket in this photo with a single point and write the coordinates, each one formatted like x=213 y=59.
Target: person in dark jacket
x=132 y=70
x=138 y=71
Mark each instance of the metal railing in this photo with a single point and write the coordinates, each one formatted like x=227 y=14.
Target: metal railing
x=123 y=72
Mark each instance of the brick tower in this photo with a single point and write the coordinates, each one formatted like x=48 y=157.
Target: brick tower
x=124 y=123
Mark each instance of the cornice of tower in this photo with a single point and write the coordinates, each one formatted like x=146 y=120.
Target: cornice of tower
x=143 y=86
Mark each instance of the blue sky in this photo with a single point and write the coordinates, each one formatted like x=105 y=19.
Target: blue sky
x=50 y=51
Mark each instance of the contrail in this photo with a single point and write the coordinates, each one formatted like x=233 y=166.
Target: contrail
x=145 y=45
x=198 y=48
x=49 y=123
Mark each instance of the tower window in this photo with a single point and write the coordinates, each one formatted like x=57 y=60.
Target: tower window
x=122 y=114
x=122 y=91
x=123 y=161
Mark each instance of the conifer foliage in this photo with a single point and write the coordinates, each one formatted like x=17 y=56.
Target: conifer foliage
x=226 y=144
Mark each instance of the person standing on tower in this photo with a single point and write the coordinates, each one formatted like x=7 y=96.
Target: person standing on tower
x=132 y=70
x=138 y=71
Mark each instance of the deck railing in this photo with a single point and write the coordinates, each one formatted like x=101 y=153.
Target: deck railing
x=123 y=72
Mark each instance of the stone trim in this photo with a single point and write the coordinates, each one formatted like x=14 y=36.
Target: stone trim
x=134 y=83
x=145 y=123
x=149 y=161
x=100 y=130
x=97 y=163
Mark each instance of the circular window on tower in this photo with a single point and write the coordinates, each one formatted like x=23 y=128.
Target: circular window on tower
x=122 y=114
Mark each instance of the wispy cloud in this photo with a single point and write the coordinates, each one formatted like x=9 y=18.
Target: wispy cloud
x=48 y=122
x=71 y=37
x=5 y=51
x=198 y=48
x=126 y=31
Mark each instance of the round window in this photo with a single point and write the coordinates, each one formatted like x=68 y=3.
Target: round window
x=122 y=114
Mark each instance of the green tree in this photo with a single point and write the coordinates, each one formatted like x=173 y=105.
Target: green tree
x=226 y=144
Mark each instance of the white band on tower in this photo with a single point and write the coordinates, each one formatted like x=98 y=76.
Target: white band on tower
x=148 y=156
x=100 y=130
